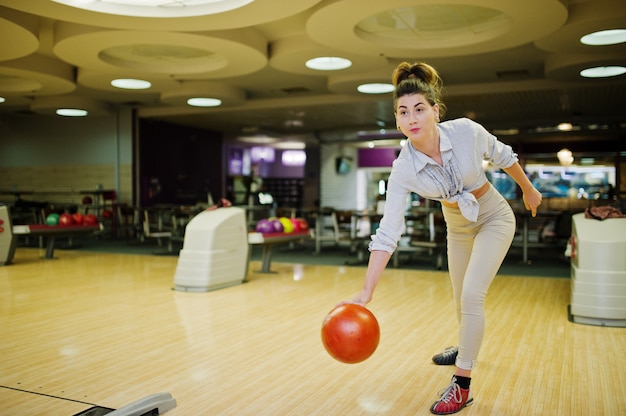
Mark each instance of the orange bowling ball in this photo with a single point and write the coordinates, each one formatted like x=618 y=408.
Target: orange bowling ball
x=350 y=333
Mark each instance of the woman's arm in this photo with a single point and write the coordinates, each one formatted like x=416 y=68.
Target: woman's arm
x=531 y=196
x=377 y=262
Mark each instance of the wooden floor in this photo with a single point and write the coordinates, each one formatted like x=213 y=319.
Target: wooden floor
x=107 y=329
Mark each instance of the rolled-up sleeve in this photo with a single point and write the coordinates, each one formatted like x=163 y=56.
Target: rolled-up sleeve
x=497 y=153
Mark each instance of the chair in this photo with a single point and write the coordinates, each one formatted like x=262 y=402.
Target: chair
x=128 y=220
x=333 y=226
x=343 y=228
x=109 y=198
x=155 y=228
x=107 y=213
x=324 y=229
x=425 y=233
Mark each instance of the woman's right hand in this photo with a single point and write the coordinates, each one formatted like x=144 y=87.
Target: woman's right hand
x=362 y=298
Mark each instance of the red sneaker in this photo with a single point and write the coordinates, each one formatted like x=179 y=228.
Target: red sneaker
x=452 y=399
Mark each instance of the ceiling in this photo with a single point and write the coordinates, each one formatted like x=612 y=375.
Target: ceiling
x=510 y=65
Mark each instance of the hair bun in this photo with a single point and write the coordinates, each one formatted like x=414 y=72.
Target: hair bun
x=419 y=78
x=421 y=71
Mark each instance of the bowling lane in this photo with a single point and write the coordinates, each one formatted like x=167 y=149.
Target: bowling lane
x=108 y=329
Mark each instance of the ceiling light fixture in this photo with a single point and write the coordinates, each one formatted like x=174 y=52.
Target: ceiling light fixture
x=69 y=106
x=565 y=157
x=293 y=158
x=257 y=139
x=565 y=126
x=71 y=112
x=2 y=99
x=157 y=8
x=159 y=3
x=290 y=145
x=603 y=72
x=328 y=63
x=131 y=84
x=604 y=37
x=375 y=88
x=204 y=102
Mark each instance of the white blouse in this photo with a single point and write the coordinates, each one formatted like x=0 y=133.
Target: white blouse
x=464 y=144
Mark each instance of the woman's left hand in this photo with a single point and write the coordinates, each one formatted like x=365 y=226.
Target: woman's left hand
x=532 y=199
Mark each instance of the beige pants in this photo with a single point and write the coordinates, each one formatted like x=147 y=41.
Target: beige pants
x=475 y=253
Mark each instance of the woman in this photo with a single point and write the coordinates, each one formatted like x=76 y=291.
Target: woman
x=443 y=162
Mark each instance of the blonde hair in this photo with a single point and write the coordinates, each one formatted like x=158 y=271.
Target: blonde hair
x=418 y=78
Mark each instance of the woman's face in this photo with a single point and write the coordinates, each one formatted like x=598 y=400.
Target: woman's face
x=416 y=117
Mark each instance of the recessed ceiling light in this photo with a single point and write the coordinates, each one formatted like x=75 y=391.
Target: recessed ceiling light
x=157 y=8
x=131 y=84
x=603 y=71
x=565 y=126
x=290 y=145
x=328 y=63
x=259 y=139
x=204 y=102
x=71 y=112
x=375 y=88
x=159 y=3
x=605 y=37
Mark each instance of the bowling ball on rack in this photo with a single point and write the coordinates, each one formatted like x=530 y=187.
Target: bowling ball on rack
x=264 y=226
x=278 y=226
x=90 y=219
x=78 y=218
x=296 y=225
x=287 y=225
x=66 y=219
x=304 y=225
x=107 y=213
x=350 y=333
x=52 y=219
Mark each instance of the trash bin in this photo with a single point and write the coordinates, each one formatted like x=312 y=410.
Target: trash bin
x=598 y=271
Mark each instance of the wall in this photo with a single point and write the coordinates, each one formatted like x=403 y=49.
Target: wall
x=57 y=157
x=378 y=157
x=339 y=191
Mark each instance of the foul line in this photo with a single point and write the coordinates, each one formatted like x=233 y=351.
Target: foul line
x=47 y=395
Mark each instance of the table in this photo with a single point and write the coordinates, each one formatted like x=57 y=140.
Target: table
x=268 y=241
x=53 y=231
